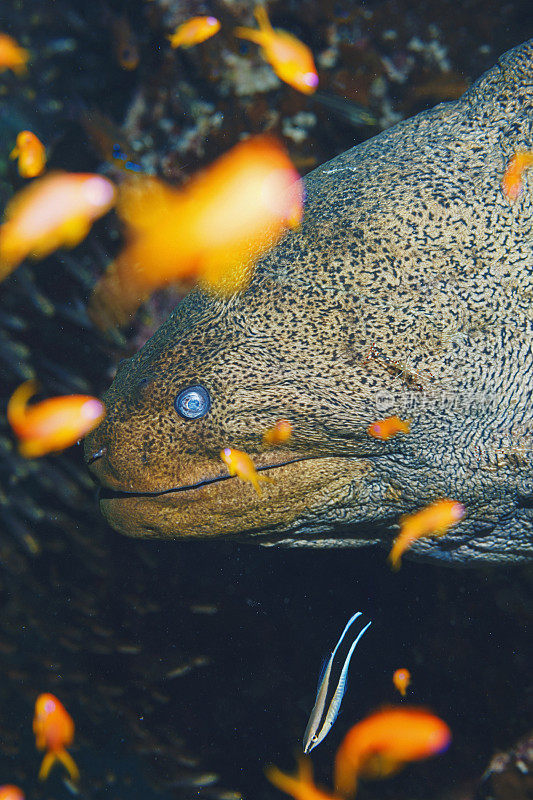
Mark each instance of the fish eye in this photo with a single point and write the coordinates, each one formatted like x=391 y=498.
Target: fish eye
x=193 y=402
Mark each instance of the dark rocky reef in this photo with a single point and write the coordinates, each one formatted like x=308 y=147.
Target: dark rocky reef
x=181 y=664
x=509 y=775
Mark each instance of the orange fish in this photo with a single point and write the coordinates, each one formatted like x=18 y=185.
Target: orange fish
x=30 y=153
x=291 y=59
x=279 y=433
x=10 y=792
x=194 y=31
x=401 y=680
x=124 y=43
x=301 y=786
x=213 y=230
x=386 y=428
x=434 y=520
x=384 y=742
x=512 y=180
x=12 y=56
x=52 y=424
x=54 y=731
x=52 y=212
x=241 y=465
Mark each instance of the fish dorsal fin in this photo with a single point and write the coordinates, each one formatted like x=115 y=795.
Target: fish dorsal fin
x=263 y=21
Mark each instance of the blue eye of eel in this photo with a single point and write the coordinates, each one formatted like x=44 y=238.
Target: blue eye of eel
x=193 y=402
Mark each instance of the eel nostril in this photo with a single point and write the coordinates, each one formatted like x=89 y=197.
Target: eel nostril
x=95 y=456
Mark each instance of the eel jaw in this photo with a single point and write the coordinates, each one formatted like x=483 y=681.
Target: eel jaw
x=226 y=506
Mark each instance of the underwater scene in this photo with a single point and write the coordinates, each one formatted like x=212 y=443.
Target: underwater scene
x=266 y=446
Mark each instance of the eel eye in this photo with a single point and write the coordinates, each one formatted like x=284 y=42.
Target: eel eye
x=193 y=402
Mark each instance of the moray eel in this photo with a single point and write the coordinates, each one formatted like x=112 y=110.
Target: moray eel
x=407 y=290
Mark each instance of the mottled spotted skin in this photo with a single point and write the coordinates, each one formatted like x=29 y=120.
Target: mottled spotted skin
x=407 y=290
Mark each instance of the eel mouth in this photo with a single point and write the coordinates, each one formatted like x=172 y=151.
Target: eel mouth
x=225 y=505
x=105 y=493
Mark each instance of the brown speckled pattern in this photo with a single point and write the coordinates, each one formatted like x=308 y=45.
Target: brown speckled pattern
x=407 y=290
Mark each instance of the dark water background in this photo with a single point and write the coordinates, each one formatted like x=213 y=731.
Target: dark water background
x=102 y=621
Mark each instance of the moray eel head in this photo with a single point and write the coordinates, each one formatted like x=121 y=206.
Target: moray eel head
x=160 y=469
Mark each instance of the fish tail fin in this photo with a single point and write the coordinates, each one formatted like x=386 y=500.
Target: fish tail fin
x=16 y=407
x=305 y=770
x=292 y=784
x=70 y=765
x=176 y=41
x=249 y=33
x=263 y=21
x=395 y=556
x=64 y=758
x=259 y=478
x=407 y=425
x=286 y=783
x=12 y=250
x=48 y=762
x=524 y=159
x=256 y=485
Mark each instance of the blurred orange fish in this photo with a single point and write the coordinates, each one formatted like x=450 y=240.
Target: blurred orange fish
x=434 y=520
x=124 y=42
x=301 y=786
x=512 y=180
x=54 y=211
x=54 y=731
x=30 y=153
x=12 y=56
x=10 y=792
x=213 y=230
x=291 y=59
x=401 y=680
x=52 y=424
x=384 y=742
x=194 y=31
x=279 y=433
x=386 y=428
x=241 y=465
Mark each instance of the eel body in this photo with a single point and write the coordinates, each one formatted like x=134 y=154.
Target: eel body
x=406 y=291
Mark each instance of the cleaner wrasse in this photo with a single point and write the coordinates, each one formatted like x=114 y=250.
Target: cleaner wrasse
x=322 y=719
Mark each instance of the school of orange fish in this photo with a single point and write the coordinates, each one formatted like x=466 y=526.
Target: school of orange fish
x=187 y=236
